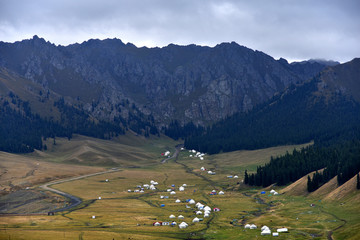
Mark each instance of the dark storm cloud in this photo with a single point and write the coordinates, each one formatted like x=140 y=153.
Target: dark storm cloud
x=282 y=28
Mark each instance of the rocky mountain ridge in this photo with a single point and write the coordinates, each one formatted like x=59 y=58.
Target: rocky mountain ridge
x=187 y=83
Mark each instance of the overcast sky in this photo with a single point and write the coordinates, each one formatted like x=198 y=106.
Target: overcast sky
x=292 y=29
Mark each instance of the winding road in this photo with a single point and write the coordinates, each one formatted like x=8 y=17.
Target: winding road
x=75 y=201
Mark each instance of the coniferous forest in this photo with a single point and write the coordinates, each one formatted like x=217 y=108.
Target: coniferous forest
x=293 y=118
x=341 y=160
x=21 y=131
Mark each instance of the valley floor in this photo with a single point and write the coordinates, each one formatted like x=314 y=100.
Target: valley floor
x=109 y=211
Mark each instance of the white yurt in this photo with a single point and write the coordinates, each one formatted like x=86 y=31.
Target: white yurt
x=93 y=217
x=195 y=220
x=99 y=198
x=157 y=224
x=192 y=201
x=129 y=190
x=275 y=234
x=183 y=225
x=172 y=192
x=236 y=176
x=221 y=193
x=184 y=185
x=253 y=226
x=207 y=208
x=266 y=232
x=177 y=201
x=172 y=216
x=282 y=230
x=181 y=188
x=264 y=227
x=207 y=212
x=202 y=169
x=169 y=190
x=272 y=191
x=180 y=217
x=247 y=226
x=206 y=215
x=198 y=212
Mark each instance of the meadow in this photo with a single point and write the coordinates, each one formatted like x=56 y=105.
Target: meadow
x=120 y=214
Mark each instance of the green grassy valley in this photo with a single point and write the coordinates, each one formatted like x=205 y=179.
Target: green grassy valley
x=120 y=214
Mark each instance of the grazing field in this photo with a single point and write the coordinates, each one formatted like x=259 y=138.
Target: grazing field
x=109 y=211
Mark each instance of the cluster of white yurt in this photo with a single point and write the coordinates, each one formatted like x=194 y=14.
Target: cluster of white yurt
x=265 y=230
x=274 y=192
x=167 y=153
x=250 y=226
x=141 y=189
x=197 y=154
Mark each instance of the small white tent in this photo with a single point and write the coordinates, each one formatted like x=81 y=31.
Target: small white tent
x=198 y=212
x=172 y=216
x=177 y=201
x=180 y=217
x=247 y=226
x=221 y=193
x=172 y=193
x=181 y=189
x=192 y=201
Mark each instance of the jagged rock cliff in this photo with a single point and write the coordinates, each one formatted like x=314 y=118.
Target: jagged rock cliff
x=187 y=83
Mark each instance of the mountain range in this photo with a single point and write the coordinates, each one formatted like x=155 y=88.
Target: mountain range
x=102 y=88
x=187 y=83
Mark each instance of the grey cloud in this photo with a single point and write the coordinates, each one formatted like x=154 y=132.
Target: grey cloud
x=284 y=28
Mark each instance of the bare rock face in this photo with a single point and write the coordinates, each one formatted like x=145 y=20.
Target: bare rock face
x=187 y=83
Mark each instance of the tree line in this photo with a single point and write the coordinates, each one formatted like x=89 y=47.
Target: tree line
x=341 y=160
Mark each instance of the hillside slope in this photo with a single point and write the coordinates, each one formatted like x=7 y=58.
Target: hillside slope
x=320 y=108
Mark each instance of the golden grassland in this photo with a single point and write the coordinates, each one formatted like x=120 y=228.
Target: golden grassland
x=123 y=215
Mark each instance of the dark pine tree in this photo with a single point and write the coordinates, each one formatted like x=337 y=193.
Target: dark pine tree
x=246 y=178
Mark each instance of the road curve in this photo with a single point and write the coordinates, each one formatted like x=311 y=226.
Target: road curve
x=177 y=151
x=75 y=201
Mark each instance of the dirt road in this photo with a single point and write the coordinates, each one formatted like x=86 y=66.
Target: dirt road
x=75 y=201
